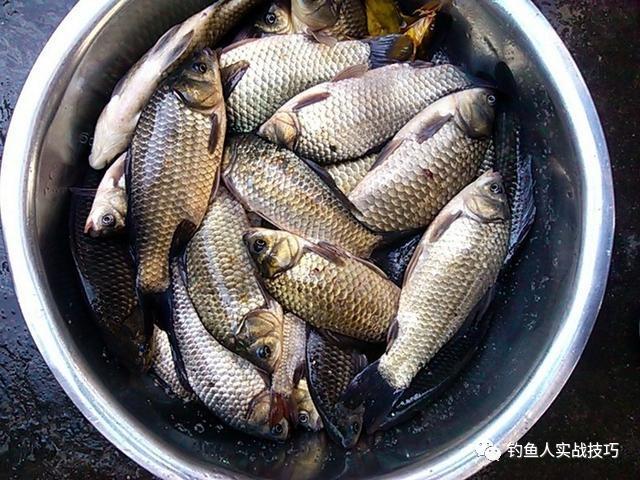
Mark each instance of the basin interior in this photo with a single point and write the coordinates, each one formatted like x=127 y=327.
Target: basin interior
x=527 y=312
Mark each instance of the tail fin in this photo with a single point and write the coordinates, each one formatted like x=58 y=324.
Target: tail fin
x=157 y=309
x=523 y=209
x=390 y=49
x=444 y=369
x=370 y=389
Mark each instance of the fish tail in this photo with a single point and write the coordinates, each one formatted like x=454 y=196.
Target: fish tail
x=390 y=49
x=371 y=389
x=524 y=208
x=157 y=309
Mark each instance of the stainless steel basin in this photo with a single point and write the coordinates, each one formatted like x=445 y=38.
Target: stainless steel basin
x=543 y=315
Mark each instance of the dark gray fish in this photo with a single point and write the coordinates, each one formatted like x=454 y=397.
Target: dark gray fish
x=330 y=369
x=516 y=170
x=107 y=275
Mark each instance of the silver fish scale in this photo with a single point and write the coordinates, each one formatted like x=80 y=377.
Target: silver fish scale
x=362 y=113
x=172 y=175
x=221 y=279
x=350 y=298
x=348 y=174
x=275 y=183
x=164 y=367
x=281 y=66
x=417 y=180
x=449 y=279
x=293 y=350
x=223 y=381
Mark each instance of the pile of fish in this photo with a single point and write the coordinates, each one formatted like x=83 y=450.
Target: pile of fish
x=302 y=227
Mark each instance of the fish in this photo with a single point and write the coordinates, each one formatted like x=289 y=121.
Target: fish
x=164 y=367
x=107 y=276
x=287 y=379
x=173 y=166
x=347 y=175
x=293 y=195
x=427 y=163
x=261 y=74
x=234 y=389
x=330 y=19
x=225 y=289
x=307 y=412
x=117 y=122
x=330 y=369
x=456 y=263
x=326 y=286
x=275 y=20
x=346 y=119
x=433 y=380
x=109 y=210
x=517 y=171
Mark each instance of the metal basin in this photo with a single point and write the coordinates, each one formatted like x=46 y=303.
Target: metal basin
x=544 y=313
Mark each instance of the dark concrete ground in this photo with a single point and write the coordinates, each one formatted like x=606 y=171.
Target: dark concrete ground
x=42 y=434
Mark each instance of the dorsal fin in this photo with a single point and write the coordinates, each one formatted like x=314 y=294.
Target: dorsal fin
x=240 y=43
x=421 y=64
x=308 y=98
x=329 y=252
x=324 y=38
x=354 y=71
x=443 y=221
x=232 y=74
x=430 y=128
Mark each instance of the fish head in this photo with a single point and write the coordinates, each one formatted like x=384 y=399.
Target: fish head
x=486 y=199
x=307 y=415
x=283 y=128
x=260 y=333
x=198 y=83
x=272 y=251
x=476 y=110
x=347 y=424
x=275 y=20
x=315 y=14
x=268 y=415
x=108 y=214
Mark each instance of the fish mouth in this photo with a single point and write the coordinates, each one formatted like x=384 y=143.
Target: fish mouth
x=91 y=229
x=282 y=129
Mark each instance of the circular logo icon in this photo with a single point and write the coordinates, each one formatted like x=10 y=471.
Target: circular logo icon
x=482 y=447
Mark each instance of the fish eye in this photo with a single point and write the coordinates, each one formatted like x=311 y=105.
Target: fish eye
x=495 y=188
x=108 y=220
x=277 y=429
x=491 y=100
x=303 y=417
x=270 y=18
x=264 y=352
x=355 y=427
x=259 y=245
x=200 y=67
